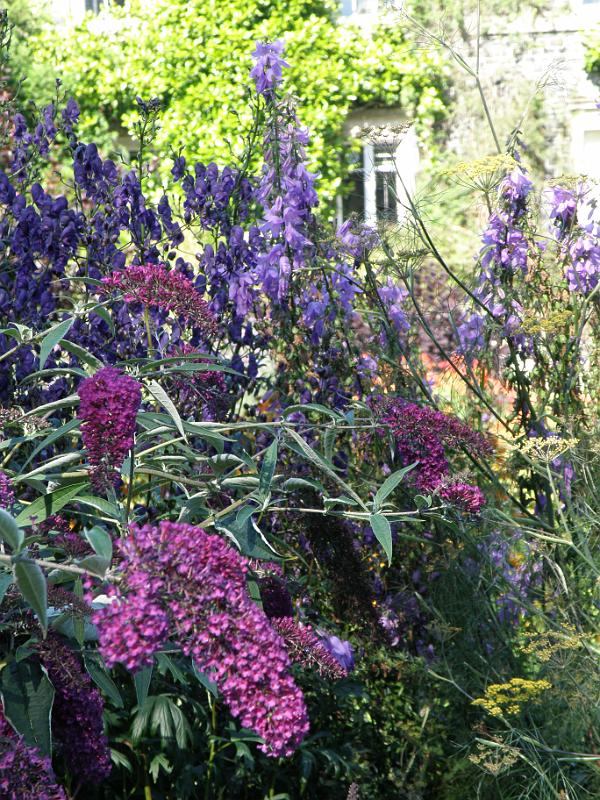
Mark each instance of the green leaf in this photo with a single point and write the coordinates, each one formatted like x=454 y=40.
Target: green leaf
x=65 y=402
x=303 y=407
x=99 y=674
x=100 y=541
x=293 y=484
x=319 y=462
x=10 y=531
x=52 y=338
x=66 y=458
x=389 y=484
x=329 y=442
x=6 y=579
x=383 y=533
x=246 y=535
x=32 y=584
x=209 y=685
x=97 y=565
x=165 y=401
x=267 y=469
x=100 y=504
x=52 y=437
x=83 y=355
x=49 y=504
x=141 y=680
x=27 y=695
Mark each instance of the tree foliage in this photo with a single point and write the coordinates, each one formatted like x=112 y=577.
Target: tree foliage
x=194 y=56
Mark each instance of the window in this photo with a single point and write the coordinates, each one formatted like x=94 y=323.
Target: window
x=350 y=7
x=375 y=189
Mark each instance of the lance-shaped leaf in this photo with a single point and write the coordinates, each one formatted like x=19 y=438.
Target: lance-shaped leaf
x=52 y=338
x=32 y=585
x=10 y=531
x=27 y=697
x=383 y=533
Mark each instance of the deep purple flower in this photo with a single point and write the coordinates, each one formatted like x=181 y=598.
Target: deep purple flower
x=267 y=70
x=7 y=495
x=77 y=713
x=24 y=773
x=341 y=650
x=109 y=402
x=467 y=497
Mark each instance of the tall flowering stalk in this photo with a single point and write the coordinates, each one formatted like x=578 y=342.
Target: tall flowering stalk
x=422 y=435
x=305 y=648
x=109 y=402
x=7 y=495
x=155 y=286
x=180 y=582
x=76 y=713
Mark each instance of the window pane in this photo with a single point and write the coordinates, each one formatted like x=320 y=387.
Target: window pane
x=353 y=201
x=385 y=196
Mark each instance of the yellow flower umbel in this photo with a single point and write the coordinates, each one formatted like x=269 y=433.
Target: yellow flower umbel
x=501 y=699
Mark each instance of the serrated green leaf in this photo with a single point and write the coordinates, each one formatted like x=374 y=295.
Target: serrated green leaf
x=209 y=685
x=383 y=533
x=27 y=696
x=10 y=531
x=49 y=504
x=389 y=484
x=52 y=338
x=32 y=584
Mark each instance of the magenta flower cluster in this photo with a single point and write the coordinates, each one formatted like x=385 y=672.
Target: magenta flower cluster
x=76 y=713
x=24 y=773
x=109 y=402
x=305 y=648
x=155 y=286
x=179 y=581
x=7 y=495
x=422 y=435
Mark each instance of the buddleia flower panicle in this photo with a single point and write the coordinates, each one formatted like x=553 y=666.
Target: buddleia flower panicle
x=179 y=581
x=24 y=773
x=155 y=286
x=77 y=712
x=306 y=648
x=7 y=495
x=109 y=402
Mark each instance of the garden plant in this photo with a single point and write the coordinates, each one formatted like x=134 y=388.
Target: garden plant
x=258 y=540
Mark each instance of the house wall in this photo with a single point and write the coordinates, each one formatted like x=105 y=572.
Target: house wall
x=534 y=66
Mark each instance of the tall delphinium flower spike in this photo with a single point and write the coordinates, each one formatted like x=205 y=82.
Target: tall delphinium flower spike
x=109 y=402
x=179 y=581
